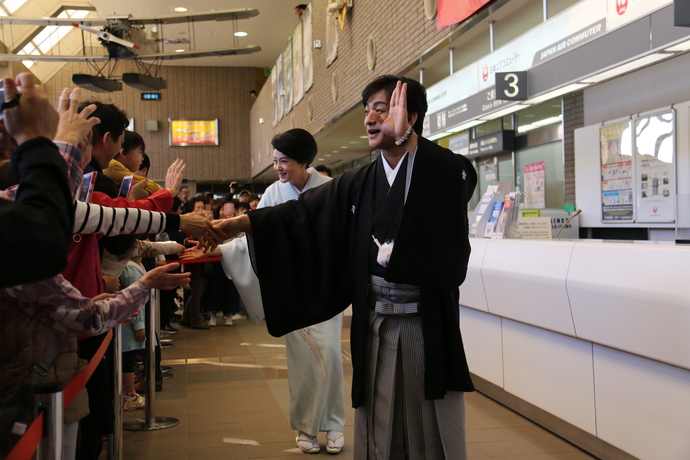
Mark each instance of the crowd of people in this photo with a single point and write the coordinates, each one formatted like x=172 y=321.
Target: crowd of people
x=367 y=238
x=54 y=298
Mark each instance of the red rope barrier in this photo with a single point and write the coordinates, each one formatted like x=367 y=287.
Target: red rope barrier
x=78 y=382
x=195 y=261
x=27 y=445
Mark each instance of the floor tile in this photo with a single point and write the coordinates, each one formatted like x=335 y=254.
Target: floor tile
x=231 y=395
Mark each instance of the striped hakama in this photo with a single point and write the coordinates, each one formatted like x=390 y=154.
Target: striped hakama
x=396 y=421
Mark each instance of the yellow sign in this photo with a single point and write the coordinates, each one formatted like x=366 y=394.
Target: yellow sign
x=193 y=132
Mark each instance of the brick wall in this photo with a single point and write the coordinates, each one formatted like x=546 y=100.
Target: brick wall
x=401 y=32
x=192 y=93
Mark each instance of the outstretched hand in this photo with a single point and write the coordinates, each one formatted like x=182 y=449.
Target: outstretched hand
x=193 y=253
x=201 y=228
x=159 y=278
x=229 y=228
x=173 y=178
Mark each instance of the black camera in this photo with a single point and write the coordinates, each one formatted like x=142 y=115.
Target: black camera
x=8 y=105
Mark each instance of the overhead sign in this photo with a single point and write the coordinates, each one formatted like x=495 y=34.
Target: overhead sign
x=512 y=86
x=461 y=96
x=502 y=141
x=472 y=107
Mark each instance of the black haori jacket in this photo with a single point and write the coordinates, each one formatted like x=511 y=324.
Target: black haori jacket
x=311 y=257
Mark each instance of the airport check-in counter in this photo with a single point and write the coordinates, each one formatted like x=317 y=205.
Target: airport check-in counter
x=589 y=338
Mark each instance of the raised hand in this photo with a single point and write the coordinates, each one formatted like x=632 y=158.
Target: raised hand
x=34 y=116
x=74 y=126
x=397 y=121
x=173 y=178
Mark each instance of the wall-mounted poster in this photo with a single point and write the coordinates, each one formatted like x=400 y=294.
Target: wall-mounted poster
x=187 y=133
x=655 y=167
x=331 y=39
x=280 y=88
x=287 y=78
x=617 y=198
x=275 y=95
x=307 y=49
x=297 y=70
x=535 y=185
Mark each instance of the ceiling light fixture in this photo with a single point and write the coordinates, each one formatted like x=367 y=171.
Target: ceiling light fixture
x=540 y=123
x=682 y=46
x=179 y=51
x=437 y=136
x=181 y=9
x=240 y=34
x=464 y=126
x=555 y=93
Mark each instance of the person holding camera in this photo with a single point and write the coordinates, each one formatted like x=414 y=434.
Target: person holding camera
x=38 y=224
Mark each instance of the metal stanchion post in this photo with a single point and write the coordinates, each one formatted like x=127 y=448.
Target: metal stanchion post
x=115 y=440
x=151 y=422
x=48 y=399
x=164 y=342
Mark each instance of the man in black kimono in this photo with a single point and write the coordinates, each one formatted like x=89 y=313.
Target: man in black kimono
x=372 y=238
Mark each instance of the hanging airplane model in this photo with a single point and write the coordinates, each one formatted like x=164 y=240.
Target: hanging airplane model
x=126 y=38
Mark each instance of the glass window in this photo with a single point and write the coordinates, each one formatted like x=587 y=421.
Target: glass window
x=554 y=181
x=49 y=36
x=487 y=128
x=505 y=169
x=12 y=5
x=538 y=116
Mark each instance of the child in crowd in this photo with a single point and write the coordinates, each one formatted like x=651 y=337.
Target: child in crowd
x=133 y=337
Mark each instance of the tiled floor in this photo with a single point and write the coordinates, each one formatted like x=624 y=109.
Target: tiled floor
x=230 y=394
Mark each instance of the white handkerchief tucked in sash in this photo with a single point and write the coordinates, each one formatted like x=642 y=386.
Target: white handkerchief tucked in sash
x=238 y=267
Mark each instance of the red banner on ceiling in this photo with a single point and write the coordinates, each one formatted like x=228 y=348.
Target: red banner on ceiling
x=453 y=11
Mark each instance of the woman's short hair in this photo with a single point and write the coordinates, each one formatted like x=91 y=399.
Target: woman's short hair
x=297 y=144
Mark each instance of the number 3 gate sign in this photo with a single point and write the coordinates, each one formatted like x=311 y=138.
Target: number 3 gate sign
x=511 y=86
